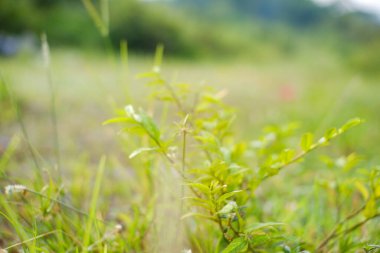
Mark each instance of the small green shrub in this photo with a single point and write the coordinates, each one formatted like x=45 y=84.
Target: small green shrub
x=218 y=176
x=192 y=185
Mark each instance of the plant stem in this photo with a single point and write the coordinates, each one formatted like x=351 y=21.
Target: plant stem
x=61 y=203
x=22 y=125
x=183 y=167
x=359 y=224
x=334 y=233
x=184 y=132
x=53 y=104
x=182 y=109
x=31 y=239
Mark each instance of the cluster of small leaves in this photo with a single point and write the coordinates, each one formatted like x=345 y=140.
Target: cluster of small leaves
x=221 y=178
x=222 y=173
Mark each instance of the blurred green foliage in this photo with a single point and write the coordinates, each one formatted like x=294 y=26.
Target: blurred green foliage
x=239 y=28
x=17 y=17
x=145 y=26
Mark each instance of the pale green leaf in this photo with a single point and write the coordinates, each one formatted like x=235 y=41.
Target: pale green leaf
x=362 y=189
x=139 y=151
x=370 y=208
x=201 y=187
x=351 y=123
x=228 y=208
x=207 y=204
x=150 y=126
x=199 y=215
x=287 y=155
x=259 y=226
x=228 y=195
x=237 y=245
x=117 y=120
x=331 y=133
x=307 y=141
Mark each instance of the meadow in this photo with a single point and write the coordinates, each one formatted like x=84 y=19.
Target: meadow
x=240 y=139
x=78 y=187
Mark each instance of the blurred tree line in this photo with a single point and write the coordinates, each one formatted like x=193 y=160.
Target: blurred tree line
x=197 y=28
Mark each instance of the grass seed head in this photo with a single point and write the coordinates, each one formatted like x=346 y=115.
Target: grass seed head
x=15 y=188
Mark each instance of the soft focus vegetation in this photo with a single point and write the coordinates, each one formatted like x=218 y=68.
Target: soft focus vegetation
x=235 y=29
x=257 y=132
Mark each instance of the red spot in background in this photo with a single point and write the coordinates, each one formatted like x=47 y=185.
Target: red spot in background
x=287 y=93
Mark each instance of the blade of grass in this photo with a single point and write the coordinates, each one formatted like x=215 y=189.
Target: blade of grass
x=10 y=214
x=94 y=201
x=33 y=239
x=53 y=104
x=104 y=13
x=96 y=18
x=124 y=54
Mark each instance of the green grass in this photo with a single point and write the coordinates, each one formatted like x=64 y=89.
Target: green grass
x=313 y=89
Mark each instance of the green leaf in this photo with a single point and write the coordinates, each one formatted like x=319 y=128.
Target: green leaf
x=144 y=121
x=286 y=249
x=228 y=195
x=331 y=133
x=237 y=245
x=139 y=151
x=200 y=215
x=307 y=141
x=228 y=208
x=117 y=120
x=370 y=208
x=287 y=155
x=362 y=189
x=259 y=226
x=222 y=244
x=201 y=187
x=207 y=204
x=150 y=126
x=351 y=123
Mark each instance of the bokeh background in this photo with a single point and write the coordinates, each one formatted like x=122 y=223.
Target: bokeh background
x=314 y=64
x=280 y=60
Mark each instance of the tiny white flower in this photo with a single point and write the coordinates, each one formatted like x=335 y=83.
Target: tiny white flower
x=131 y=113
x=15 y=188
x=118 y=227
x=186 y=251
x=322 y=140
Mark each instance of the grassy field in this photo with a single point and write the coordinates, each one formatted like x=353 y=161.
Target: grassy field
x=314 y=90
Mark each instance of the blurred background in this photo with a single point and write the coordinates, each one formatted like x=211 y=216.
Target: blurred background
x=254 y=30
x=317 y=62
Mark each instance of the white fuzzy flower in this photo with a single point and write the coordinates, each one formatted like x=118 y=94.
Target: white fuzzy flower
x=15 y=188
x=186 y=251
x=131 y=113
x=45 y=51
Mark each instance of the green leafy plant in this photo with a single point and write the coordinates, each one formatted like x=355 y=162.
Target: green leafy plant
x=191 y=184
x=219 y=174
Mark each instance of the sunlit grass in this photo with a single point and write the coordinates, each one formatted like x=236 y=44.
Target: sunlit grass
x=315 y=92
